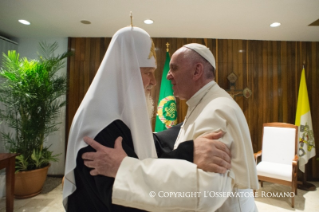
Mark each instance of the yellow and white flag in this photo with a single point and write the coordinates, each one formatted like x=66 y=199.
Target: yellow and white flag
x=304 y=123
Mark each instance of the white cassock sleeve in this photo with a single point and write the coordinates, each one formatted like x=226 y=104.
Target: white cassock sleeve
x=169 y=185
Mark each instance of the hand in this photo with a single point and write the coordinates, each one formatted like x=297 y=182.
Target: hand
x=210 y=154
x=105 y=161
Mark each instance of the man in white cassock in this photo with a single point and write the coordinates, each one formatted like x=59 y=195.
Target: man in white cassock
x=210 y=109
x=115 y=105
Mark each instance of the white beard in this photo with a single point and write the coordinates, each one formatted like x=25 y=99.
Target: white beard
x=150 y=106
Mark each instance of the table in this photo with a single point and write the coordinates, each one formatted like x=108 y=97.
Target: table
x=7 y=160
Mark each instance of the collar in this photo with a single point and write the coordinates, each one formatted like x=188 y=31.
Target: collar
x=199 y=94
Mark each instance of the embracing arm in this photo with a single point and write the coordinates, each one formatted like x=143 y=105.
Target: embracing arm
x=208 y=154
x=174 y=185
x=176 y=175
x=205 y=151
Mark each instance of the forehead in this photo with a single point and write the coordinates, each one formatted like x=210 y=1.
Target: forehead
x=147 y=69
x=178 y=55
x=179 y=58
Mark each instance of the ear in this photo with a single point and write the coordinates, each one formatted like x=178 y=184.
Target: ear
x=199 y=71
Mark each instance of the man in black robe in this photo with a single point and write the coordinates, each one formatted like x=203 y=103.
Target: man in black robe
x=94 y=193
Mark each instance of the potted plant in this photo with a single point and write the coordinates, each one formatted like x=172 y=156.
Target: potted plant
x=29 y=93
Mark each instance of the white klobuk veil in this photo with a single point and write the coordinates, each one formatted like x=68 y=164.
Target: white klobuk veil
x=116 y=92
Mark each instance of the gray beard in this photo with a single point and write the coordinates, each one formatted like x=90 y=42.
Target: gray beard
x=150 y=106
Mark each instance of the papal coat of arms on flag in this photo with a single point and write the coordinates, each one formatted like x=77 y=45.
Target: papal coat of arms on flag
x=306 y=137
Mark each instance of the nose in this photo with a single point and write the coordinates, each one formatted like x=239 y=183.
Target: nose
x=153 y=80
x=169 y=75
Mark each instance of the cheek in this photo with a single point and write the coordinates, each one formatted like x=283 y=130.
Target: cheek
x=145 y=80
x=179 y=78
x=182 y=82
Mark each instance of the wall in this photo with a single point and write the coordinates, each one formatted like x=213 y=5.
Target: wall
x=5 y=46
x=271 y=69
x=28 y=47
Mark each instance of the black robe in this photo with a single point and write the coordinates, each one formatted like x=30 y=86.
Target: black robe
x=94 y=193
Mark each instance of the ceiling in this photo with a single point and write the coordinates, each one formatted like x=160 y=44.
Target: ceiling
x=222 y=19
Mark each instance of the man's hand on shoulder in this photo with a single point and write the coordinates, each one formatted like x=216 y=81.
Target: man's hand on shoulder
x=210 y=154
x=105 y=161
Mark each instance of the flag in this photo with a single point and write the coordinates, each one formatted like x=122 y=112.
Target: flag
x=304 y=123
x=166 y=116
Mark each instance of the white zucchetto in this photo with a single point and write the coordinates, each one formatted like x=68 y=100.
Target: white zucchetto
x=202 y=51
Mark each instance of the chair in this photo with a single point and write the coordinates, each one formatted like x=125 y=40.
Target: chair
x=279 y=155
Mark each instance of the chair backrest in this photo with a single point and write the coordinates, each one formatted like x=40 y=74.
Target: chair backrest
x=279 y=143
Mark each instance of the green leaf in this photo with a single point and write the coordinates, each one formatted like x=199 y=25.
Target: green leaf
x=29 y=92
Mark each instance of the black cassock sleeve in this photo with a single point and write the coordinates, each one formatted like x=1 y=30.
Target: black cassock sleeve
x=94 y=193
x=164 y=143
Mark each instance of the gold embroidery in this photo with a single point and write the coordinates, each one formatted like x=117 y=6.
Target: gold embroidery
x=152 y=52
x=171 y=110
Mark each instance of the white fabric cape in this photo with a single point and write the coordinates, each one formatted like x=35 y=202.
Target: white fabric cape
x=116 y=92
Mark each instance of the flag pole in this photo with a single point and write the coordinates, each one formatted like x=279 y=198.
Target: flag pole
x=304 y=185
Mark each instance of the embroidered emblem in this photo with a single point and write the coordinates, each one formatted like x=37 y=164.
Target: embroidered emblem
x=167 y=111
x=306 y=138
x=152 y=51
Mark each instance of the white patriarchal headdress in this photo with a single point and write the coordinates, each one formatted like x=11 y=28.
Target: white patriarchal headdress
x=116 y=92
